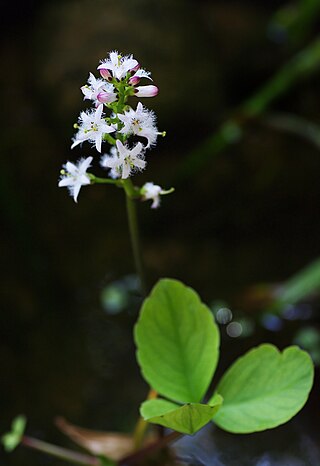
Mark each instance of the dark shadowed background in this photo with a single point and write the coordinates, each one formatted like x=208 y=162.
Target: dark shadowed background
x=245 y=210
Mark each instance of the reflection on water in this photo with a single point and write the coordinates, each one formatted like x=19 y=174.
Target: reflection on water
x=212 y=447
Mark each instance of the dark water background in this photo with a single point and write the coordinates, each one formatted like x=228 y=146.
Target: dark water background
x=250 y=215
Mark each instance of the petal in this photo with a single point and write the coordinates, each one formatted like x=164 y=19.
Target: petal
x=114 y=57
x=126 y=170
x=123 y=118
x=129 y=64
x=136 y=150
x=75 y=191
x=143 y=74
x=92 y=79
x=109 y=162
x=139 y=163
x=71 y=168
x=121 y=148
x=84 y=116
x=156 y=203
x=114 y=174
x=107 y=128
x=98 y=142
x=67 y=181
x=139 y=108
x=86 y=92
x=98 y=113
x=85 y=164
x=76 y=142
x=84 y=180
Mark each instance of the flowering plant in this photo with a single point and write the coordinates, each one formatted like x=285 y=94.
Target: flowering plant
x=176 y=336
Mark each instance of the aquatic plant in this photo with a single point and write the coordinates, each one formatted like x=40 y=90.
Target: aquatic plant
x=176 y=336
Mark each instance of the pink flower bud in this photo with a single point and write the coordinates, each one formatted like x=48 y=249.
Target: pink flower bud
x=106 y=97
x=105 y=73
x=134 y=80
x=146 y=91
x=133 y=70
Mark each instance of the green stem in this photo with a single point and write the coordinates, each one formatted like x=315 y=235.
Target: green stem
x=122 y=98
x=58 y=452
x=111 y=140
x=95 y=179
x=131 y=194
x=141 y=425
x=134 y=233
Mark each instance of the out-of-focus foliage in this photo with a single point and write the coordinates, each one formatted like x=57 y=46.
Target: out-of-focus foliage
x=12 y=439
x=305 y=62
x=292 y=23
x=301 y=286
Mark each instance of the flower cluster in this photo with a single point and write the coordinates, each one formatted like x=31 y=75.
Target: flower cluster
x=129 y=131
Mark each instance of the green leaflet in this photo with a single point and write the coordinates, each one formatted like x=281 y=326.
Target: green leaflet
x=12 y=439
x=186 y=419
x=177 y=342
x=264 y=388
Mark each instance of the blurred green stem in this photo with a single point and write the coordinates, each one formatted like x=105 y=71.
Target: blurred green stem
x=58 y=452
x=301 y=65
x=142 y=425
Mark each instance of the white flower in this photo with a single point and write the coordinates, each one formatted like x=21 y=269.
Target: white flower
x=96 y=88
x=146 y=91
x=140 y=122
x=123 y=161
x=92 y=128
x=152 y=191
x=108 y=159
x=75 y=176
x=118 y=65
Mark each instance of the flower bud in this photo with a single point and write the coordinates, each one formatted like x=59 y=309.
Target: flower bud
x=133 y=70
x=146 y=91
x=134 y=80
x=105 y=73
x=106 y=97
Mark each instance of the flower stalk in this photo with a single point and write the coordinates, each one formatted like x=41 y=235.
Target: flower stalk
x=142 y=425
x=134 y=233
x=59 y=452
